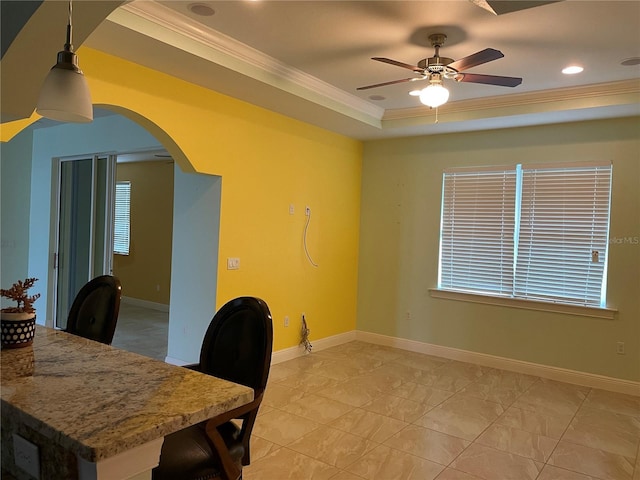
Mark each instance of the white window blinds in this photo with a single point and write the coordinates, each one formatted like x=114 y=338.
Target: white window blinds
x=122 y=218
x=477 y=230
x=564 y=229
x=537 y=232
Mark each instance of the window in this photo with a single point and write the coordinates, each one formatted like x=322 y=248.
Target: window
x=534 y=232
x=122 y=220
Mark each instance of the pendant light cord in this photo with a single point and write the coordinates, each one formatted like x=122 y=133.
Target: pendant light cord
x=69 y=46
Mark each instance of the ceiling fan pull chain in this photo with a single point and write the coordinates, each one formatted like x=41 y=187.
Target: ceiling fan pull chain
x=436 y=115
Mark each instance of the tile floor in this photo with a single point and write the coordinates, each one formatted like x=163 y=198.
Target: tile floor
x=362 y=411
x=142 y=330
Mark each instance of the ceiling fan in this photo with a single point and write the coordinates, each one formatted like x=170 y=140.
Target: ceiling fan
x=435 y=69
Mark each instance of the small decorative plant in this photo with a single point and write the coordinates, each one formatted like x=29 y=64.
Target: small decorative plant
x=18 y=293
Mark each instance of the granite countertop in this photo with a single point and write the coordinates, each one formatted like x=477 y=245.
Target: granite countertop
x=97 y=401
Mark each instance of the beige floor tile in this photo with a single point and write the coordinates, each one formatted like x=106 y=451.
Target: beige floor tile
x=306 y=382
x=277 y=395
x=445 y=380
x=422 y=393
x=337 y=370
x=428 y=444
x=319 y=409
x=333 y=446
x=279 y=372
x=384 y=463
x=350 y=393
x=491 y=464
x=591 y=461
x=611 y=440
x=336 y=415
x=344 y=475
x=420 y=360
x=598 y=417
x=461 y=416
x=380 y=381
x=453 y=474
x=616 y=402
x=261 y=448
x=373 y=426
x=503 y=395
x=552 y=398
x=506 y=379
x=406 y=373
x=547 y=425
x=549 y=472
x=285 y=464
x=397 y=407
x=520 y=442
x=282 y=427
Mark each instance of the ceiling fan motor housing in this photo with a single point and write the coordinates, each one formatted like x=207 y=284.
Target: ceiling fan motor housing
x=434 y=64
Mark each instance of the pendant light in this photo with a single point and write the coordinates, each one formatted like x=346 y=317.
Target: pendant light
x=65 y=94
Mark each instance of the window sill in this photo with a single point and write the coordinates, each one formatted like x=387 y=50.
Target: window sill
x=596 y=312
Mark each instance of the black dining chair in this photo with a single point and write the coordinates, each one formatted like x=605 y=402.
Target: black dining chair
x=94 y=311
x=237 y=347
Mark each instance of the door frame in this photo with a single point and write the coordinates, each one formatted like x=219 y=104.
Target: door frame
x=54 y=239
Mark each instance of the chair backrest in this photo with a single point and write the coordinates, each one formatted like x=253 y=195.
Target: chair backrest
x=94 y=311
x=238 y=343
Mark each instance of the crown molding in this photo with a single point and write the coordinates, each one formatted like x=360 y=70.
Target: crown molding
x=541 y=99
x=157 y=21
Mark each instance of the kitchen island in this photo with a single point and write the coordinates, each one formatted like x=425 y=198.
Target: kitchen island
x=97 y=412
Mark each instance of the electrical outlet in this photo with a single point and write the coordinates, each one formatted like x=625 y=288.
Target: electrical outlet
x=26 y=456
x=620 y=348
x=307 y=210
x=292 y=209
x=233 y=263
x=286 y=321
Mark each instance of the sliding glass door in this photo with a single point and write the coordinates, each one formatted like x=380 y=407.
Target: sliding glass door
x=84 y=240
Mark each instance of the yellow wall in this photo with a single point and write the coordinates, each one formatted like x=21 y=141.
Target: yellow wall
x=402 y=188
x=267 y=162
x=145 y=273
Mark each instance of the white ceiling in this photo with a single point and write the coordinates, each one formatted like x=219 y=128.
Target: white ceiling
x=305 y=59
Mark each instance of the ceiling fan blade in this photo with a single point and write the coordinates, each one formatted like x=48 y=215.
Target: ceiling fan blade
x=488 y=79
x=478 y=58
x=393 y=82
x=398 y=64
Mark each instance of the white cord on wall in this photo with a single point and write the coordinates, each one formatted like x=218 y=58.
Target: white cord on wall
x=304 y=237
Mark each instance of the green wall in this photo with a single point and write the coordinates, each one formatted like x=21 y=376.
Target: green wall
x=146 y=272
x=400 y=219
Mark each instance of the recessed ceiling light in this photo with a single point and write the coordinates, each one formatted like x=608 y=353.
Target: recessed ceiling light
x=201 y=9
x=377 y=97
x=572 y=70
x=629 y=62
x=415 y=93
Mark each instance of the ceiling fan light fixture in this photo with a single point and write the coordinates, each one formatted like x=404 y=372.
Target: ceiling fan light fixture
x=434 y=95
x=65 y=95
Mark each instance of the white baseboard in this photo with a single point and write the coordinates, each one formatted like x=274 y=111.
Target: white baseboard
x=298 y=351
x=545 y=371
x=161 y=307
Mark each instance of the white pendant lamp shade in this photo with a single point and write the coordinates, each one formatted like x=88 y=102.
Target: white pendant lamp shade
x=65 y=94
x=434 y=95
